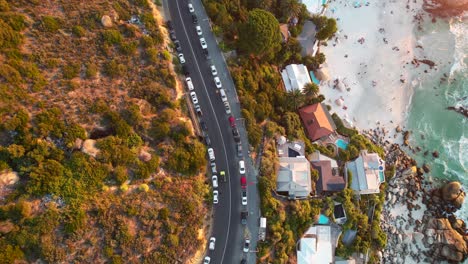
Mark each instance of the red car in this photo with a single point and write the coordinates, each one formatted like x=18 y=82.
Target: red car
x=232 y=121
x=243 y=182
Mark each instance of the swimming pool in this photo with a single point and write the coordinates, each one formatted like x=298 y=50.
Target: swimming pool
x=323 y=220
x=341 y=144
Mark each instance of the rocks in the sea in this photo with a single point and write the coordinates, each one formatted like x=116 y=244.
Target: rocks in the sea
x=398 y=129
x=406 y=136
x=435 y=154
x=426 y=168
x=460 y=110
x=453 y=193
x=445 y=8
x=446 y=242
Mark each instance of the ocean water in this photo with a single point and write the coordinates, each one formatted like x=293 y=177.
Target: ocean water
x=434 y=127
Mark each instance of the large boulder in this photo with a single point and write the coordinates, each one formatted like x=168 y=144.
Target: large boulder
x=89 y=147
x=8 y=177
x=106 y=21
x=452 y=192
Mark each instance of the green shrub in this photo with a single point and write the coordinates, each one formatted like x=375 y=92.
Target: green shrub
x=120 y=174
x=16 y=21
x=143 y=187
x=114 y=69
x=78 y=31
x=4 y=7
x=71 y=70
x=111 y=36
x=8 y=37
x=129 y=48
x=341 y=129
x=50 y=24
x=91 y=70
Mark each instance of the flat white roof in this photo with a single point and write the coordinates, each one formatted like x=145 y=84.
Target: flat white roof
x=295 y=76
x=315 y=246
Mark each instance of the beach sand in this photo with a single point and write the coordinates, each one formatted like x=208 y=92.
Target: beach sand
x=371 y=55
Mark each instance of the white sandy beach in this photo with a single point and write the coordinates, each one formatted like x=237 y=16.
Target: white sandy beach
x=372 y=56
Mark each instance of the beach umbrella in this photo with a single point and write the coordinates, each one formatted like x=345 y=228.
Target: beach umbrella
x=322 y=74
x=339 y=102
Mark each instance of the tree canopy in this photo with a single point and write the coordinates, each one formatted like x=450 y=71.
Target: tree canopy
x=260 y=35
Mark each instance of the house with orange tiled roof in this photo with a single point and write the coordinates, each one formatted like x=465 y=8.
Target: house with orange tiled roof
x=317 y=121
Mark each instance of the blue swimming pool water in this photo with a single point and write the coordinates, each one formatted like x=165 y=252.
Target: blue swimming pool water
x=314 y=79
x=341 y=144
x=323 y=220
x=381 y=176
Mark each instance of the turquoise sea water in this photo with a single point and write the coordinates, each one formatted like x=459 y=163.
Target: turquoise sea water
x=434 y=127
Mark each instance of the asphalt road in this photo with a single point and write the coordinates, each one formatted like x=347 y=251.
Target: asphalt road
x=227 y=226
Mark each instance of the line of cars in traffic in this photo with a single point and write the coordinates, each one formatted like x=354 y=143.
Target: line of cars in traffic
x=232 y=121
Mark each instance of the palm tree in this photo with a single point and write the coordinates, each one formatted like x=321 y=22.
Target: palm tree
x=295 y=99
x=292 y=8
x=311 y=90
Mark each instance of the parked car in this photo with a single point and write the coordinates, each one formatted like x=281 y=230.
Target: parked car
x=189 y=82
x=215 y=196
x=169 y=25
x=214 y=72
x=177 y=46
x=211 y=154
x=243 y=261
x=242 y=167
x=227 y=107
x=243 y=181
x=239 y=150
x=244 y=197
x=214 y=178
x=246 y=245
x=244 y=215
x=203 y=126
x=217 y=82
x=212 y=243
x=185 y=70
x=194 y=19
x=199 y=31
x=207 y=140
x=222 y=93
x=235 y=132
x=193 y=95
x=203 y=43
x=190 y=8
x=213 y=168
x=173 y=36
x=198 y=110
x=207 y=55
x=232 y=121
x=181 y=58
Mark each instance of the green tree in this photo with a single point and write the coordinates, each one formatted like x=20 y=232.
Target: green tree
x=260 y=35
x=328 y=30
x=311 y=90
x=296 y=99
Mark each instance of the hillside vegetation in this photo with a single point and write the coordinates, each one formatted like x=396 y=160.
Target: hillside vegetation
x=107 y=165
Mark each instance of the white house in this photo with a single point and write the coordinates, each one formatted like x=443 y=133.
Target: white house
x=293 y=177
x=295 y=76
x=315 y=246
x=368 y=172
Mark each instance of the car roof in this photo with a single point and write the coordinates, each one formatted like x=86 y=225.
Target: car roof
x=243 y=180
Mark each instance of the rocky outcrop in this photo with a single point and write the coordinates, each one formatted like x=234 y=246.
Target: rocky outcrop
x=446 y=241
x=89 y=147
x=106 y=21
x=418 y=218
x=460 y=110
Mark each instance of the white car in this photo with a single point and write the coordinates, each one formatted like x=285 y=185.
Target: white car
x=194 y=98
x=242 y=167
x=211 y=154
x=189 y=83
x=199 y=31
x=212 y=243
x=181 y=58
x=246 y=246
x=190 y=8
x=215 y=181
x=227 y=107
x=214 y=72
x=203 y=43
x=215 y=197
x=217 y=82
x=244 y=197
